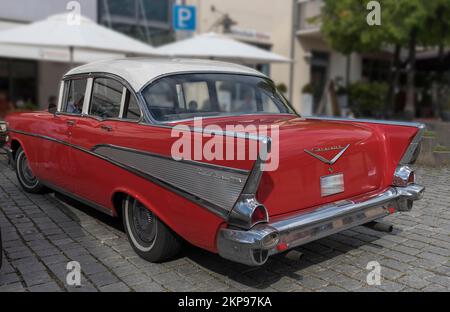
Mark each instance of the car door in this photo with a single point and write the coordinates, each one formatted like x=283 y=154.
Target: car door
x=111 y=108
x=57 y=165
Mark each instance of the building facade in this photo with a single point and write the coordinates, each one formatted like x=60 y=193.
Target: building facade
x=287 y=27
x=146 y=20
x=31 y=82
x=284 y=27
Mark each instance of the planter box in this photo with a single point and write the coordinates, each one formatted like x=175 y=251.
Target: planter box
x=442 y=158
x=426 y=156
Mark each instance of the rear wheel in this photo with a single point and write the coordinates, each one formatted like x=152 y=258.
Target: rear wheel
x=151 y=239
x=29 y=182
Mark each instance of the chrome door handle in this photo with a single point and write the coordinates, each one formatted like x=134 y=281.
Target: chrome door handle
x=71 y=123
x=106 y=128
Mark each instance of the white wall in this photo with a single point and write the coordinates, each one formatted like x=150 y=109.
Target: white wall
x=49 y=78
x=273 y=18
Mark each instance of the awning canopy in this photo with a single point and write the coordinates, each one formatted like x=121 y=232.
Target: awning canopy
x=220 y=47
x=58 y=38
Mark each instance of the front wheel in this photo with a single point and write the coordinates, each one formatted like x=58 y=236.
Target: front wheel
x=29 y=182
x=150 y=238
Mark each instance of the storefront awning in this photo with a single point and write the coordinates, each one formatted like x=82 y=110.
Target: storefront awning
x=65 y=38
x=220 y=47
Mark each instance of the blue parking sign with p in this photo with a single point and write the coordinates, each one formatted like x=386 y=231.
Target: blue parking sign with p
x=184 y=17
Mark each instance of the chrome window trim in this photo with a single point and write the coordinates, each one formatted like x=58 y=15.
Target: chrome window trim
x=122 y=102
x=120 y=80
x=225 y=116
x=61 y=95
x=217 y=210
x=87 y=96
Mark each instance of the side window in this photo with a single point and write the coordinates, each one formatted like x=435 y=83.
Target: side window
x=269 y=106
x=106 y=98
x=196 y=95
x=74 y=93
x=131 y=110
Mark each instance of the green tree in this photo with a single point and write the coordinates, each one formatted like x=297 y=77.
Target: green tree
x=438 y=34
x=404 y=24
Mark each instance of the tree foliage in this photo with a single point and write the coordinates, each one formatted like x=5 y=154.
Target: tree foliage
x=344 y=23
x=404 y=24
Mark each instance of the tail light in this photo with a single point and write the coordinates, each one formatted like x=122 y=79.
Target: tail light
x=259 y=215
x=403 y=176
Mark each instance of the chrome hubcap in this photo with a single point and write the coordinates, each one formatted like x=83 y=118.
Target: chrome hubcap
x=27 y=175
x=143 y=223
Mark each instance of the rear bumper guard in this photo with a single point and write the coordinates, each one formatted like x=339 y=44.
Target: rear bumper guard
x=253 y=247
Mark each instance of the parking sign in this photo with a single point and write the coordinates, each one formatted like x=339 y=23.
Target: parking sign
x=184 y=17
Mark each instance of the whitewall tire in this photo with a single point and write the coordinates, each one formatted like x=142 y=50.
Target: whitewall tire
x=150 y=238
x=27 y=180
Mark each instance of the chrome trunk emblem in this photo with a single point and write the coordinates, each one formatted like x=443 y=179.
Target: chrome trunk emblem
x=323 y=159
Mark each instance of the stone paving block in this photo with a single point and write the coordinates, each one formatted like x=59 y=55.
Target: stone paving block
x=116 y=287
x=41 y=234
x=103 y=279
x=413 y=281
x=149 y=287
x=48 y=287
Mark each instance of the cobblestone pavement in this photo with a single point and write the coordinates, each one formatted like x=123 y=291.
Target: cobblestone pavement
x=41 y=234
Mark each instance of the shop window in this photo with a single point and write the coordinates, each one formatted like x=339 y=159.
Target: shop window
x=375 y=69
x=18 y=80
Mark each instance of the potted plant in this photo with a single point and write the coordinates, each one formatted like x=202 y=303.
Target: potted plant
x=366 y=98
x=282 y=88
x=442 y=155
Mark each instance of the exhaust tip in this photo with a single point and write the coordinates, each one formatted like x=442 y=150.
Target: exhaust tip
x=381 y=227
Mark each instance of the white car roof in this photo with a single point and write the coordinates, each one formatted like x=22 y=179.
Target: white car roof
x=139 y=71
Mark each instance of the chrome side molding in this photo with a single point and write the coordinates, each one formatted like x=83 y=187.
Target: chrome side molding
x=242 y=212
x=413 y=150
x=412 y=153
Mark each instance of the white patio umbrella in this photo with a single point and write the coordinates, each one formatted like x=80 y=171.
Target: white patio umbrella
x=215 y=46
x=60 y=38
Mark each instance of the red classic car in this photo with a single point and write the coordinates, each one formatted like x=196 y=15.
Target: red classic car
x=117 y=142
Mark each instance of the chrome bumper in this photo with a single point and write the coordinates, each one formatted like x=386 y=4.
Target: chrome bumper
x=254 y=246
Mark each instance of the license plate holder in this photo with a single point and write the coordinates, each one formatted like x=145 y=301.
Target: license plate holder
x=332 y=184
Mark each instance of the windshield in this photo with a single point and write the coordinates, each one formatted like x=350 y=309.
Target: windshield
x=203 y=95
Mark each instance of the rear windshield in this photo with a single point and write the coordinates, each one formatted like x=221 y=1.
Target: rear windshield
x=203 y=95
